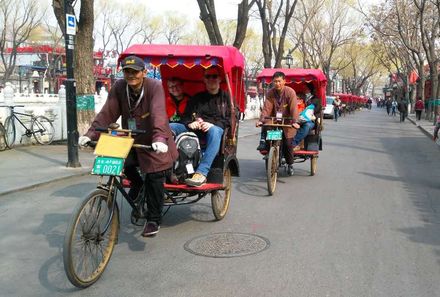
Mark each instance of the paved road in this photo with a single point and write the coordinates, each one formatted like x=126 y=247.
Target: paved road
x=366 y=225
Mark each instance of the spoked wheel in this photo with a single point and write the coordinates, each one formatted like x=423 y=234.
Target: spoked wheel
x=90 y=238
x=313 y=165
x=220 y=199
x=10 y=131
x=43 y=130
x=3 y=145
x=272 y=169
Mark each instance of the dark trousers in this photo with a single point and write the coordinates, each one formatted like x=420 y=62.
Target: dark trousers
x=153 y=183
x=418 y=115
x=402 y=116
x=287 y=148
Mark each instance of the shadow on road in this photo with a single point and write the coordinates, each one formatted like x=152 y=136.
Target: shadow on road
x=420 y=179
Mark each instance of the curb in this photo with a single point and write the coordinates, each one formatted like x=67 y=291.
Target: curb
x=42 y=183
x=81 y=173
x=426 y=132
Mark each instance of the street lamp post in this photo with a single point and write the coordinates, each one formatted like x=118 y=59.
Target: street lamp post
x=289 y=59
x=71 y=117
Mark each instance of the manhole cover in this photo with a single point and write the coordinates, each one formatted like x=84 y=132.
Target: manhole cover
x=226 y=245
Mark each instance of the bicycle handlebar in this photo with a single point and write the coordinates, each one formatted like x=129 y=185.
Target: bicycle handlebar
x=93 y=143
x=134 y=131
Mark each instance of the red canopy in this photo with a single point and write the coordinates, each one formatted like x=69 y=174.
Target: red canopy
x=296 y=79
x=188 y=62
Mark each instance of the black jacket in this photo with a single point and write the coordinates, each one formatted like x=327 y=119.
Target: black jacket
x=215 y=109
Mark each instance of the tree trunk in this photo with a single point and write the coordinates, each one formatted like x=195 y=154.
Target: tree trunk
x=209 y=19
x=84 y=67
x=83 y=60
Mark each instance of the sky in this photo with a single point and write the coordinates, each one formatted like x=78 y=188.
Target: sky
x=225 y=9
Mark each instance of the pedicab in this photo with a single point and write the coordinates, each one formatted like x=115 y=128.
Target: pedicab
x=347 y=102
x=93 y=229
x=296 y=79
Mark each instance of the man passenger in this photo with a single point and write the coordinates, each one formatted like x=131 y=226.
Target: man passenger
x=208 y=114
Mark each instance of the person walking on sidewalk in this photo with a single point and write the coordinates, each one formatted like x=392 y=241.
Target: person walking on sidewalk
x=140 y=101
x=403 y=109
x=419 y=107
x=393 y=107
x=388 y=106
x=437 y=127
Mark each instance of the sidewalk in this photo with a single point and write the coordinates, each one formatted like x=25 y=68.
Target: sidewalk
x=425 y=126
x=25 y=167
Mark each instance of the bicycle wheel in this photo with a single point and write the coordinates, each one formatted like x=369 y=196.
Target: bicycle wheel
x=3 y=145
x=272 y=169
x=10 y=131
x=90 y=238
x=220 y=199
x=43 y=130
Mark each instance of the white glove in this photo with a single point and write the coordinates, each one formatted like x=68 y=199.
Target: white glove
x=159 y=147
x=83 y=140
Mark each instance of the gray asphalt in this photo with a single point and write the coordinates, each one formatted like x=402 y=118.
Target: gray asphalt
x=366 y=224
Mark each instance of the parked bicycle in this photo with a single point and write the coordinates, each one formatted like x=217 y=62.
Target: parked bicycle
x=3 y=145
x=41 y=128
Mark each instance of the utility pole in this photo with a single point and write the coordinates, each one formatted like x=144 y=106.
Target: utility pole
x=72 y=120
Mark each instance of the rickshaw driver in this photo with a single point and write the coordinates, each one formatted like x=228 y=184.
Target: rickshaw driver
x=207 y=113
x=280 y=101
x=141 y=103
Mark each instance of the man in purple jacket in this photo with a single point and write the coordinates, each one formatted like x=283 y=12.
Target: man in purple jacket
x=140 y=101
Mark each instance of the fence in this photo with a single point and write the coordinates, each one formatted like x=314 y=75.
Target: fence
x=53 y=106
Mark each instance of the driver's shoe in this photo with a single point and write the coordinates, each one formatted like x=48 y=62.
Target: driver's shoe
x=150 y=229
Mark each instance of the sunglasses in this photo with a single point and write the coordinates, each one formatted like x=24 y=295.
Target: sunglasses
x=213 y=76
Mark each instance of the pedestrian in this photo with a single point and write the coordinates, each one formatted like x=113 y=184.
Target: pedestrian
x=419 y=107
x=403 y=109
x=336 y=107
x=388 y=105
x=140 y=102
x=393 y=107
x=437 y=127
x=241 y=116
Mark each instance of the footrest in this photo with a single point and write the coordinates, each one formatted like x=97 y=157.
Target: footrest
x=304 y=152
x=208 y=187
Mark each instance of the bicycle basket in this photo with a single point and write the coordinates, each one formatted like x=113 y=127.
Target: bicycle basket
x=113 y=146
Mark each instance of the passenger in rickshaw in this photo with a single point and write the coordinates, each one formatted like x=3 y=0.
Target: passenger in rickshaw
x=207 y=114
x=281 y=101
x=307 y=123
x=176 y=103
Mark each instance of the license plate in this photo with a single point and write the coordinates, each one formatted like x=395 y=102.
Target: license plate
x=274 y=135
x=108 y=166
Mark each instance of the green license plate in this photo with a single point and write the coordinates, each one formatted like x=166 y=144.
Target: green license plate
x=274 y=135
x=108 y=166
